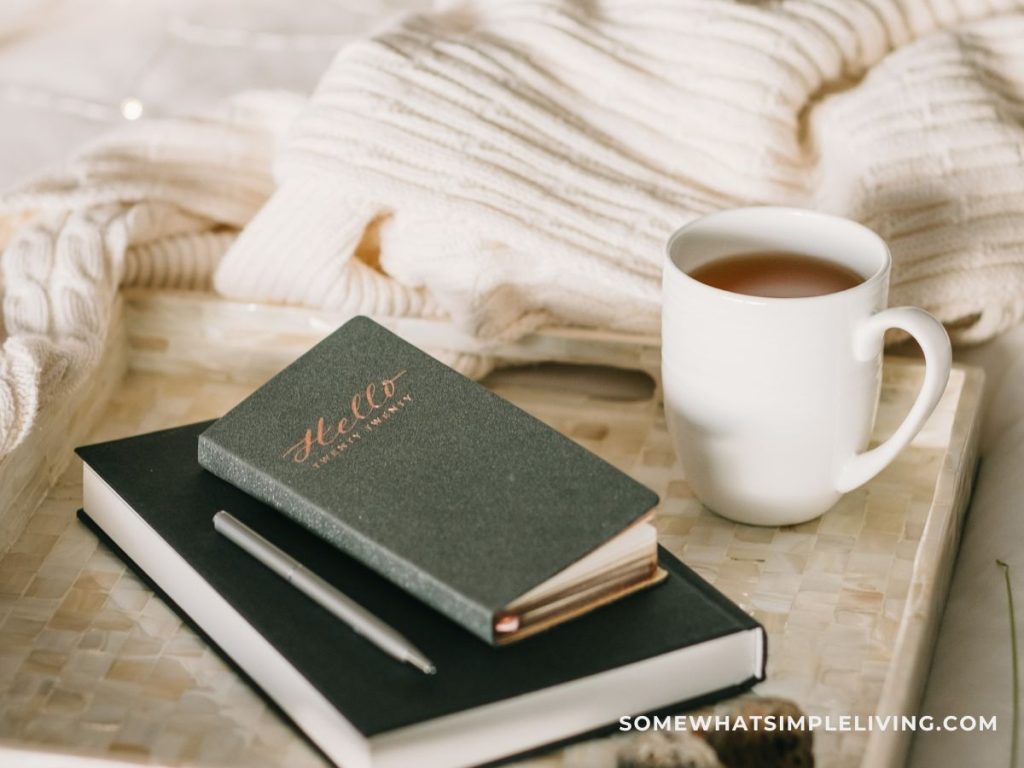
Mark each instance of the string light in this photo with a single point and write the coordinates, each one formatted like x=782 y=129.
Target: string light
x=131 y=109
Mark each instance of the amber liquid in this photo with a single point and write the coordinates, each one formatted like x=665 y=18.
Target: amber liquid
x=777 y=275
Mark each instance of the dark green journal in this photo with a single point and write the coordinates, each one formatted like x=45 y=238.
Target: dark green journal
x=448 y=490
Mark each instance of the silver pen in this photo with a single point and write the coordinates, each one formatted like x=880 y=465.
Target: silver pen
x=360 y=620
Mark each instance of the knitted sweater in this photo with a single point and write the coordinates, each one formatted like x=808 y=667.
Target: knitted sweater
x=511 y=163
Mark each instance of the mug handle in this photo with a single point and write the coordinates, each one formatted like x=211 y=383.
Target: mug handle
x=938 y=357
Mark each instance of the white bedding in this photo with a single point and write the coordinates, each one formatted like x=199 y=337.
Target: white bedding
x=971 y=670
x=66 y=69
x=66 y=66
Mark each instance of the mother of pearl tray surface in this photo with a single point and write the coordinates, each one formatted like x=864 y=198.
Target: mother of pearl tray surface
x=94 y=669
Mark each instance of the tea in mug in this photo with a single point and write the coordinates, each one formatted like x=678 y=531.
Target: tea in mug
x=776 y=275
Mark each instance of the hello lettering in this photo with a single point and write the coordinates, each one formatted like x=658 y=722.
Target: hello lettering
x=364 y=406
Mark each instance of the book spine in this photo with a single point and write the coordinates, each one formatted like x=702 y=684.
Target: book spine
x=228 y=466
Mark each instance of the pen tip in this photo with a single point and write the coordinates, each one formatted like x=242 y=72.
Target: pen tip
x=422 y=664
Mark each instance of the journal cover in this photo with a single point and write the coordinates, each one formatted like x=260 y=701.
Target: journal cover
x=430 y=479
x=158 y=488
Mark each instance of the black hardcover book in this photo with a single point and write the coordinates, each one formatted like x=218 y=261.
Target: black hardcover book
x=680 y=642
x=466 y=501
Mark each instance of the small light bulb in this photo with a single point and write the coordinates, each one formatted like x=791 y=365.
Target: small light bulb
x=131 y=109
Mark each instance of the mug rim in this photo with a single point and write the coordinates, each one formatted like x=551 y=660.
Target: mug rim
x=867 y=284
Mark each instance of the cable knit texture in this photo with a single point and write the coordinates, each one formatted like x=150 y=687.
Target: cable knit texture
x=520 y=162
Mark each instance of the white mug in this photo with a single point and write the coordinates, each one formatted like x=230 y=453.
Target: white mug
x=770 y=402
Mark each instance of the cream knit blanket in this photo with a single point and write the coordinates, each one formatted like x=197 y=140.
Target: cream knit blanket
x=521 y=162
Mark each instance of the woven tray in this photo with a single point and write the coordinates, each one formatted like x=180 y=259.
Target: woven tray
x=91 y=663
